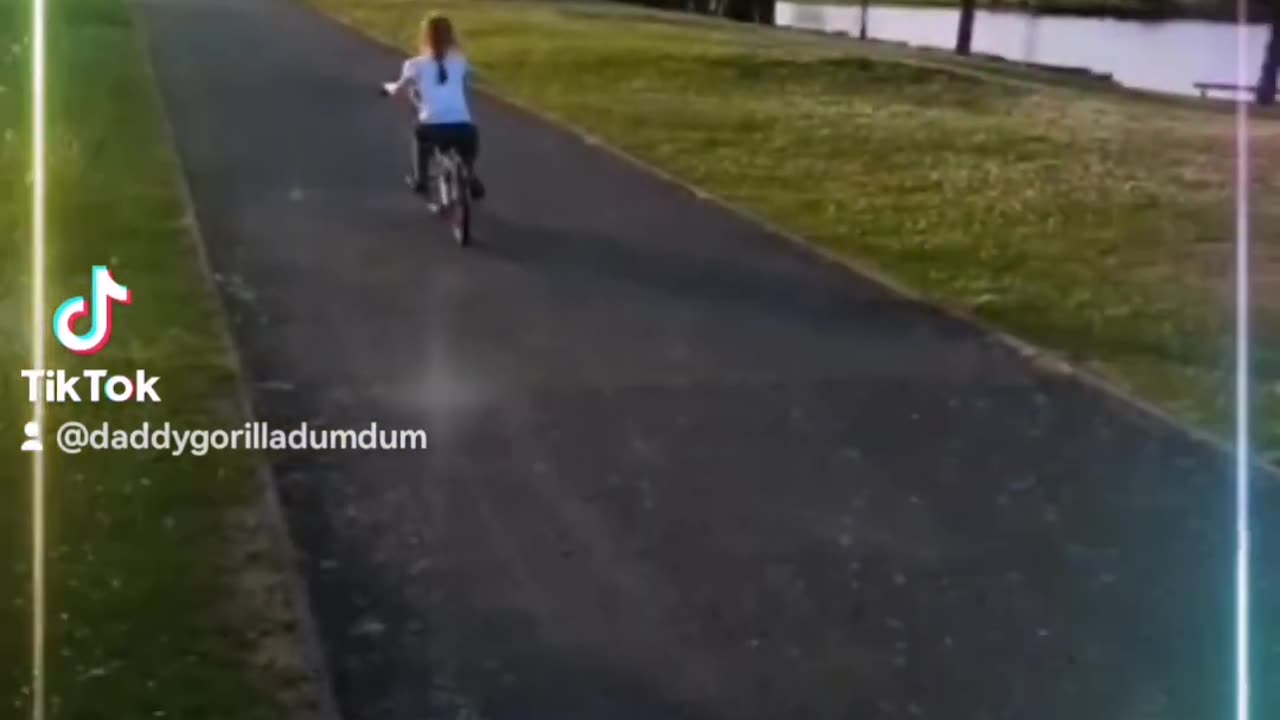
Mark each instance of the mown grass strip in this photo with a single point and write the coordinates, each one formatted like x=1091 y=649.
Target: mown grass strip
x=164 y=599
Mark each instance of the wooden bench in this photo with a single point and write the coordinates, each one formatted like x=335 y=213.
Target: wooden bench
x=1206 y=87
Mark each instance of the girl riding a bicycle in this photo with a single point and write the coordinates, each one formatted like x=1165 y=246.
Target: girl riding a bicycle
x=437 y=78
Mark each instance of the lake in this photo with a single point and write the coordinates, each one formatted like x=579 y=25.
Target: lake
x=1166 y=56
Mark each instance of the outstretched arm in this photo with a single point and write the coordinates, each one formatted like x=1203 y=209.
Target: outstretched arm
x=396 y=88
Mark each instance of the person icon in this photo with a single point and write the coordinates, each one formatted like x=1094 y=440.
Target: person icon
x=32 y=443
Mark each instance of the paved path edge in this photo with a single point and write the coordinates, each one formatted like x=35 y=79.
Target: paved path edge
x=320 y=688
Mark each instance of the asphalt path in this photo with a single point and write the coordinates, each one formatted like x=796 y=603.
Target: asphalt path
x=679 y=468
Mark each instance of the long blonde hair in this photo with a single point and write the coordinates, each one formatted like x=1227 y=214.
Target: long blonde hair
x=438 y=39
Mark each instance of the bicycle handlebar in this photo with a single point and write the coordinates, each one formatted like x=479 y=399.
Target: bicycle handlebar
x=387 y=91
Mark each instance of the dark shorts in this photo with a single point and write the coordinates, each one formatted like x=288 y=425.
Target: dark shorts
x=462 y=137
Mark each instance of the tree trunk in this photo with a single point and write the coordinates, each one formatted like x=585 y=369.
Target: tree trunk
x=1270 y=62
x=741 y=10
x=765 y=11
x=964 y=36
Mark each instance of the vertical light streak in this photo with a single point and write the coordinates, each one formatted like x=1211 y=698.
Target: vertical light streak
x=38 y=185
x=1242 y=452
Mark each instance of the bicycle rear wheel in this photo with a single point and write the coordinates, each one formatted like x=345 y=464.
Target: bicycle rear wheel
x=460 y=215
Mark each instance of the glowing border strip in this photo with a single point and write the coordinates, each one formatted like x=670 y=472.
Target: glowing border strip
x=38 y=181
x=1242 y=368
x=1242 y=364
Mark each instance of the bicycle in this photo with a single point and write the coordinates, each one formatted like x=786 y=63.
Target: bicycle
x=448 y=186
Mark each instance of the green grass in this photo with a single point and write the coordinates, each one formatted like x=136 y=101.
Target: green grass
x=164 y=599
x=1094 y=223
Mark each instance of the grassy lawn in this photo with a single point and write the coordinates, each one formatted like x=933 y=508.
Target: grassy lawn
x=164 y=598
x=1094 y=223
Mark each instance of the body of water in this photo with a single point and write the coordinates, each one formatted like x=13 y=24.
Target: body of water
x=1168 y=56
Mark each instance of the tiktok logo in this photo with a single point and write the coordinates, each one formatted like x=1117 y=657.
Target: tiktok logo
x=105 y=292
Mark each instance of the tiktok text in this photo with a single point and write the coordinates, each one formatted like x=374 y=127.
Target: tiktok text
x=60 y=386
